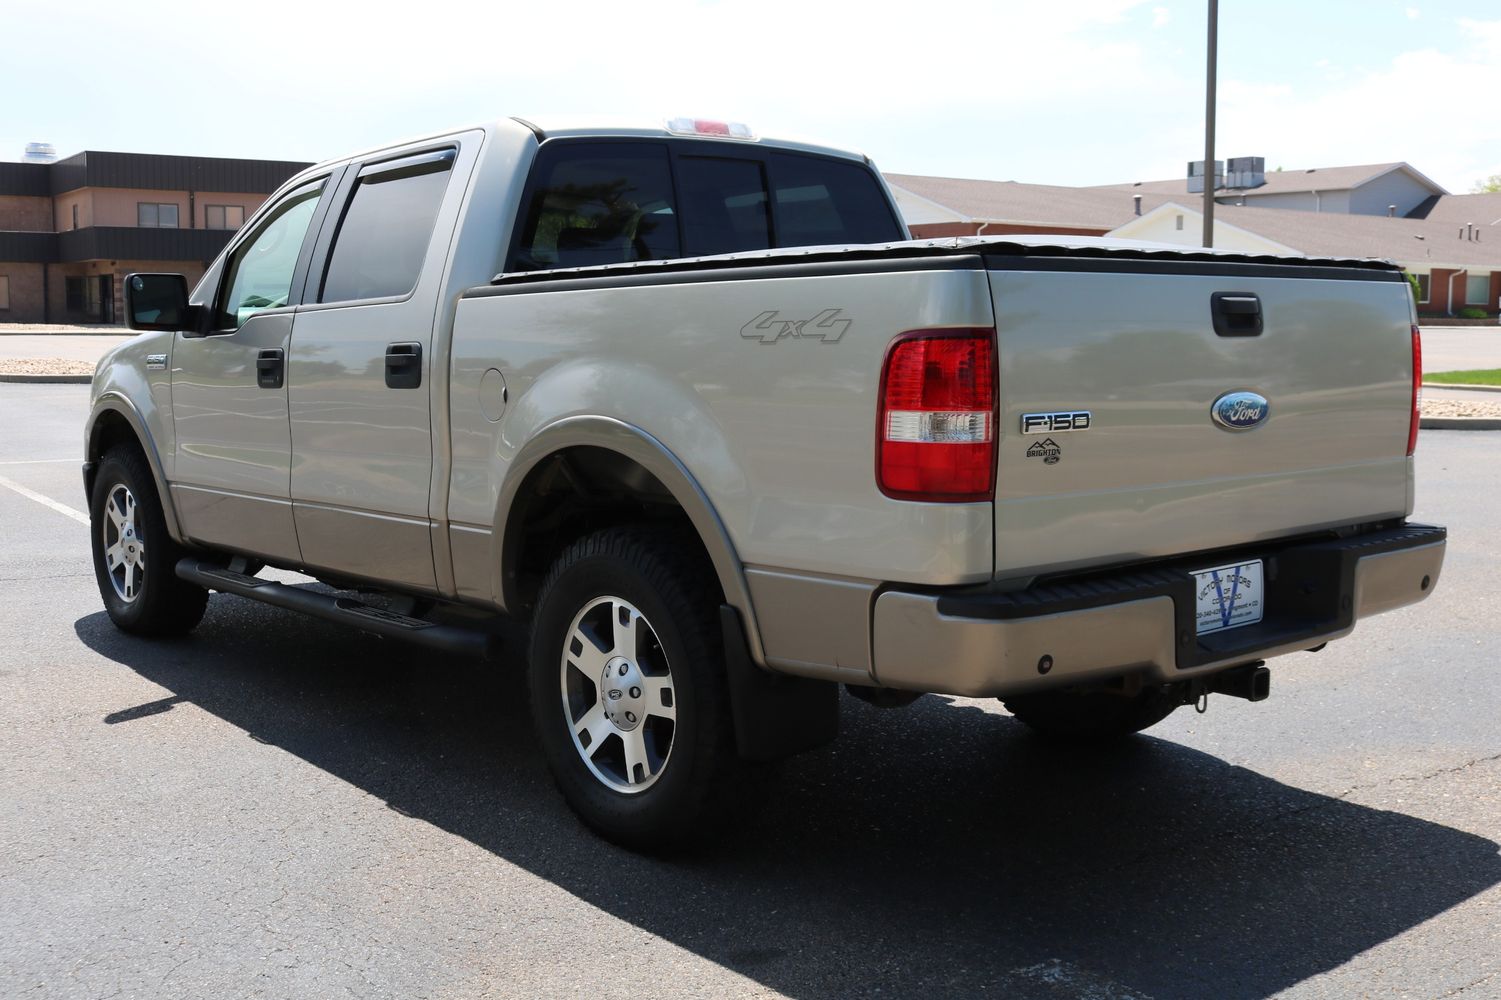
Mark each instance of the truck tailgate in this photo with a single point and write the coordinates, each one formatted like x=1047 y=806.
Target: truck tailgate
x=1134 y=345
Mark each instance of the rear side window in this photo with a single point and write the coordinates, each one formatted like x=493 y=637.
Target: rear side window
x=386 y=230
x=599 y=203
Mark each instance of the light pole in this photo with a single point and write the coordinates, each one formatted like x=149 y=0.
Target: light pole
x=1214 y=17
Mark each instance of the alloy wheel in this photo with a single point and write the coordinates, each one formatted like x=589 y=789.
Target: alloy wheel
x=618 y=697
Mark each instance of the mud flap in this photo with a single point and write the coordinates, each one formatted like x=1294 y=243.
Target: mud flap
x=775 y=715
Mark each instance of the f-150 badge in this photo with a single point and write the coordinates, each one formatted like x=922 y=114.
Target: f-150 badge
x=1055 y=423
x=769 y=327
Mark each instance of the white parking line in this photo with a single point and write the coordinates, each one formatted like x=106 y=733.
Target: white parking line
x=63 y=509
x=40 y=461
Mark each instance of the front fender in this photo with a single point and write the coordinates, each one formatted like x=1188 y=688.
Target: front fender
x=125 y=388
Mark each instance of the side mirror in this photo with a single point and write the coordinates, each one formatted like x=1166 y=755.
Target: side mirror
x=157 y=302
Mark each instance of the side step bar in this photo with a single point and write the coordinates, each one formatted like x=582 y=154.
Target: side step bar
x=345 y=610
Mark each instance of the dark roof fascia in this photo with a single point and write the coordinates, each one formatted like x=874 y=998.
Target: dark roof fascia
x=28 y=248
x=27 y=180
x=159 y=172
x=131 y=243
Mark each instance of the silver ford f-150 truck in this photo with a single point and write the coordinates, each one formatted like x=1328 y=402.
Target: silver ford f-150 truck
x=689 y=403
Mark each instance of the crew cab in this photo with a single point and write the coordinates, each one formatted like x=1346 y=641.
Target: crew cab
x=689 y=403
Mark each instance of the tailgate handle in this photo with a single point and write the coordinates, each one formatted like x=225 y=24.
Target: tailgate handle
x=1236 y=314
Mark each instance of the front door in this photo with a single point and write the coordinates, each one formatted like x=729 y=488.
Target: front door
x=229 y=390
x=360 y=373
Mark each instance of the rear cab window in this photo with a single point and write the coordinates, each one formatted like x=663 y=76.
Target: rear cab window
x=594 y=202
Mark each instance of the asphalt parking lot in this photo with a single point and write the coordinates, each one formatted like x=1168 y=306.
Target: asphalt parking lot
x=278 y=807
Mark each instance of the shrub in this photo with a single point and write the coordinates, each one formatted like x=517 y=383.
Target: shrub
x=1472 y=312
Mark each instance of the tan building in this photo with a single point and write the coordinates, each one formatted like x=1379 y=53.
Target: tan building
x=71 y=230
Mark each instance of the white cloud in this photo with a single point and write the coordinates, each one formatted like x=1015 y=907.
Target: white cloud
x=1386 y=114
x=1161 y=16
x=1413 y=13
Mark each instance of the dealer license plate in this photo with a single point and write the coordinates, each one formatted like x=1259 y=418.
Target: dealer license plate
x=1228 y=596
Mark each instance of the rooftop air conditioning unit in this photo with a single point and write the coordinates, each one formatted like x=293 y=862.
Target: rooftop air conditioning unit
x=1246 y=172
x=1196 y=176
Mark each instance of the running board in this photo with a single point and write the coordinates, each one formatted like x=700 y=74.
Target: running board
x=345 y=610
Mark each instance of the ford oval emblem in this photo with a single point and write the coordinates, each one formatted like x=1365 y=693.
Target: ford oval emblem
x=1240 y=411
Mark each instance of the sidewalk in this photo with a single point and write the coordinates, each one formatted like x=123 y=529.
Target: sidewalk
x=61 y=329
x=54 y=355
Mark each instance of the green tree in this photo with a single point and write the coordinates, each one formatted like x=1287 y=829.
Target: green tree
x=1489 y=185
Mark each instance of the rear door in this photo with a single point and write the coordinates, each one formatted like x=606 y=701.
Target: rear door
x=361 y=368
x=1134 y=345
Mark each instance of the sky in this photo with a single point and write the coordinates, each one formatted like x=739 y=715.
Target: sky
x=1071 y=92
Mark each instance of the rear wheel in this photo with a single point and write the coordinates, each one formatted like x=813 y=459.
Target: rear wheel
x=134 y=557
x=628 y=688
x=1093 y=715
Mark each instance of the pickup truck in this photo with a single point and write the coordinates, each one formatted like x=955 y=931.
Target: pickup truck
x=689 y=404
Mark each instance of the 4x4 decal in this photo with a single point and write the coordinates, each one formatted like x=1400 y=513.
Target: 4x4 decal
x=769 y=328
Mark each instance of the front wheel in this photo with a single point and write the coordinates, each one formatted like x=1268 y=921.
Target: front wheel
x=134 y=557
x=628 y=688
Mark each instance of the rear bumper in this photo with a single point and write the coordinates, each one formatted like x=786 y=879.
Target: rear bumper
x=983 y=644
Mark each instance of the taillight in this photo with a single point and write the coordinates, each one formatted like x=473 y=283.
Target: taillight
x=936 y=435
x=1417 y=390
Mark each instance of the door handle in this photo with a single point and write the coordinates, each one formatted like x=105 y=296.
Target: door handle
x=403 y=365
x=1236 y=314
x=270 y=368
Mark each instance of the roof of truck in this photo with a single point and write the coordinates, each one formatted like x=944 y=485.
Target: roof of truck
x=552 y=126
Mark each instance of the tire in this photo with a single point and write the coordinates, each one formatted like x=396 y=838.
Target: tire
x=134 y=557
x=651 y=768
x=1092 y=716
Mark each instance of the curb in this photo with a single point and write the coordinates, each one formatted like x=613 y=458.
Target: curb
x=1462 y=387
x=1460 y=423
x=46 y=379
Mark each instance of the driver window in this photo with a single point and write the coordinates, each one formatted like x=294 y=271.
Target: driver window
x=259 y=273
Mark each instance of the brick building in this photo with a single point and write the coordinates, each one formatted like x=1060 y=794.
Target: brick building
x=71 y=230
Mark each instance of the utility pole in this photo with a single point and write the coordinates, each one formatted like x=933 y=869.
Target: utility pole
x=1214 y=17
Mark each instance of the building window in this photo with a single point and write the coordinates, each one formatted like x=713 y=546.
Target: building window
x=1179 y=222
x=223 y=216
x=1478 y=289
x=1423 y=284
x=75 y=216
x=4 y=291
x=156 y=216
